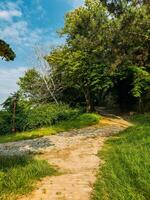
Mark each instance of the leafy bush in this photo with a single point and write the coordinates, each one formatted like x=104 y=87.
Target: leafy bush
x=36 y=117
x=5 y=122
x=46 y=115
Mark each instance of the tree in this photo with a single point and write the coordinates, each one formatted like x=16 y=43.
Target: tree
x=104 y=42
x=37 y=84
x=130 y=44
x=6 y=52
x=118 y=7
x=46 y=73
x=82 y=60
x=15 y=110
x=73 y=70
x=33 y=87
x=106 y=51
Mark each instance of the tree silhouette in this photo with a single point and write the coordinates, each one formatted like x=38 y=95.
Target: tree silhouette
x=6 y=52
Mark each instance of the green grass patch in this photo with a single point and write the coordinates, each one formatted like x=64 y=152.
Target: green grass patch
x=125 y=175
x=79 y=122
x=18 y=175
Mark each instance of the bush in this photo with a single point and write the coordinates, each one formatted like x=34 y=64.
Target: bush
x=36 y=117
x=46 y=115
x=5 y=122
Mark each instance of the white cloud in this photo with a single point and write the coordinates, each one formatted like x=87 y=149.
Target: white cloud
x=19 y=33
x=9 y=14
x=14 y=31
x=9 y=10
x=8 y=79
x=39 y=8
x=11 y=5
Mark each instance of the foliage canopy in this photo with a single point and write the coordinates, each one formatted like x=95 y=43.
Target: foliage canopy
x=6 y=52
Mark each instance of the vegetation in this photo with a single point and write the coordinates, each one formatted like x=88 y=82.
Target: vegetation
x=105 y=60
x=125 y=173
x=47 y=115
x=30 y=117
x=6 y=51
x=19 y=173
x=81 y=121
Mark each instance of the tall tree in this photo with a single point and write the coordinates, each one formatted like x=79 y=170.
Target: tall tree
x=130 y=44
x=106 y=49
x=82 y=58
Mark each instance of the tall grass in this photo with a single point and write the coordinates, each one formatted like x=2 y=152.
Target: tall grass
x=125 y=174
x=18 y=175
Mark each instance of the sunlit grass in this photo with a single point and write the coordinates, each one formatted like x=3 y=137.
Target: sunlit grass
x=18 y=175
x=126 y=172
x=80 y=122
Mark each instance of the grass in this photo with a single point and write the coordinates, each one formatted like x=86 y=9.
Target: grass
x=125 y=174
x=80 y=122
x=18 y=175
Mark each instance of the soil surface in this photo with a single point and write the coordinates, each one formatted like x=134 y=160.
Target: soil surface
x=74 y=153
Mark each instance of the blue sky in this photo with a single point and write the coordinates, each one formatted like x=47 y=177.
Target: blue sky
x=23 y=24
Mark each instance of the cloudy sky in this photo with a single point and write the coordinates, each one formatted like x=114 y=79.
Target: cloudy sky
x=24 y=24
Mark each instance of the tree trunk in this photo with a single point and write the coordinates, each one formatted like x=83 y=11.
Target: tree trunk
x=89 y=100
x=140 y=106
x=14 y=117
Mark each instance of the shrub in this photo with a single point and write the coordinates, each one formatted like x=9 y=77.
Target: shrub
x=5 y=122
x=46 y=115
x=36 y=117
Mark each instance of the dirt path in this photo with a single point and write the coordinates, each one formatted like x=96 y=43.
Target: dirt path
x=74 y=153
x=78 y=163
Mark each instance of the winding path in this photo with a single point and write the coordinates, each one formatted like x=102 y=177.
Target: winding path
x=75 y=154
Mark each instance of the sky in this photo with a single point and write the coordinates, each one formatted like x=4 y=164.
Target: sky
x=25 y=24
